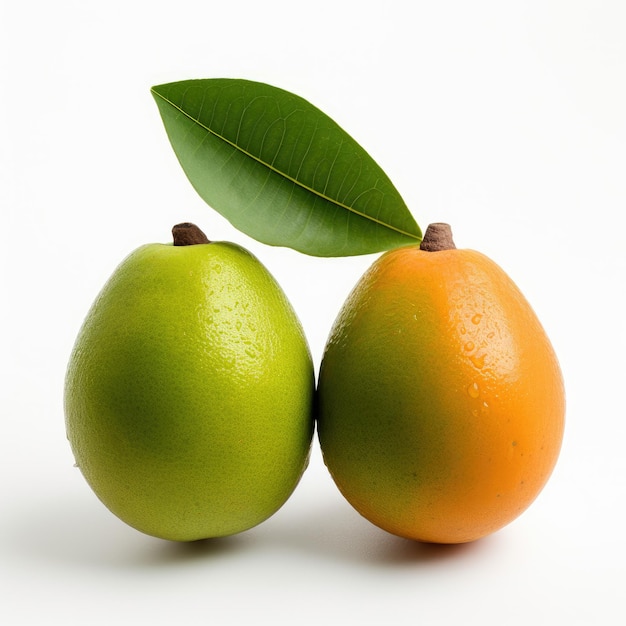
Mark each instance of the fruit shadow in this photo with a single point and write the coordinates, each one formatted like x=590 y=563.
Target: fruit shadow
x=334 y=535
x=79 y=533
x=337 y=533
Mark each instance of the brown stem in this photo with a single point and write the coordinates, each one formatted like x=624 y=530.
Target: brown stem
x=188 y=234
x=438 y=236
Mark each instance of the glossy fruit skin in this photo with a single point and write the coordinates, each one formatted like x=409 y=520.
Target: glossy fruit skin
x=441 y=400
x=189 y=392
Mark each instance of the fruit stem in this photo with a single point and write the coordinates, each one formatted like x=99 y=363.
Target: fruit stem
x=188 y=234
x=438 y=236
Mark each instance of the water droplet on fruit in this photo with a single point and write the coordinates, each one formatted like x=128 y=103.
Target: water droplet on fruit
x=478 y=360
x=476 y=319
x=469 y=346
x=473 y=391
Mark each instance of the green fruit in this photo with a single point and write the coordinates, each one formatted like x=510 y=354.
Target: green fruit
x=189 y=391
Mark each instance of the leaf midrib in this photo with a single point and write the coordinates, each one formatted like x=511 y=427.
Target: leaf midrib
x=283 y=174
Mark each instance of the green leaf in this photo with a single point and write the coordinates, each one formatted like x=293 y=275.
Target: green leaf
x=280 y=170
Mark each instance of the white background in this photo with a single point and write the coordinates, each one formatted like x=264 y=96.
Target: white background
x=506 y=119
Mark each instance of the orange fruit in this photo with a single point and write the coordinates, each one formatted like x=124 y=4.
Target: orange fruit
x=441 y=400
